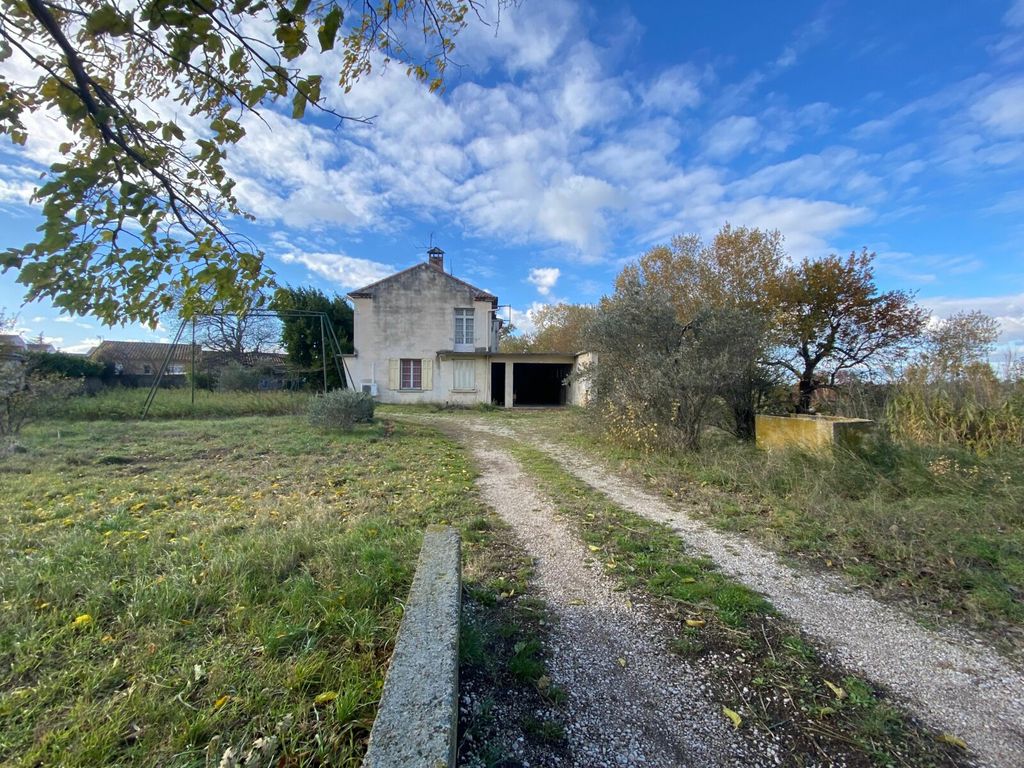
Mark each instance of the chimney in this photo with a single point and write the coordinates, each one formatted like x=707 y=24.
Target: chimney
x=436 y=258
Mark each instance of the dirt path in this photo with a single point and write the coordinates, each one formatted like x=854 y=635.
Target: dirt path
x=957 y=686
x=630 y=701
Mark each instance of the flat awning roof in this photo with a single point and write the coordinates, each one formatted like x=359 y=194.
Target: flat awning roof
x=516 y=357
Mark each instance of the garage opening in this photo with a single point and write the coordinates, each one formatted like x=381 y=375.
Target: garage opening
x=540 y=383
x=498 y=384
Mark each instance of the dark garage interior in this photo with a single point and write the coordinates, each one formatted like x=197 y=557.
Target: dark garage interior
x=498 y=384
x=539 y=383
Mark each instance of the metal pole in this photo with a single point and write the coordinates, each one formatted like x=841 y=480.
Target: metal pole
x=193 y=376
x=323 y=350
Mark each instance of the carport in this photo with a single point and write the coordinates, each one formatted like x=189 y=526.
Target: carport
x=532 y=379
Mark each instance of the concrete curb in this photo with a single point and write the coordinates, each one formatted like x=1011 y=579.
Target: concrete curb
x=417 y=720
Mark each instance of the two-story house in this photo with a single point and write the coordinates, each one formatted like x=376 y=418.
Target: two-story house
x=424 y=336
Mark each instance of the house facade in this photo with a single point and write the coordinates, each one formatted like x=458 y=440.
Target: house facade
x=138 y=362
x=424 y=336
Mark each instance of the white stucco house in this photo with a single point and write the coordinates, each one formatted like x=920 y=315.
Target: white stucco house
x=425 y=336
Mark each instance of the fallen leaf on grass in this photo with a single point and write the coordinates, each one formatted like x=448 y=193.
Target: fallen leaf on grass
x=221 y=701
x=82 y=621
x=733 y=716
x=839 y=692
x=956 y=741
x=695 y=622
x=593 y=548
x=326 y=697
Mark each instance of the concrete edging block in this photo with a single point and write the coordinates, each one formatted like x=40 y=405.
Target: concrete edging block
x=417 y=721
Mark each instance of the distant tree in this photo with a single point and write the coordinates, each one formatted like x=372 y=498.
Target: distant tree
x=561 y=327
x=832 y=319
x=230 y=329
x=301 y=336
x=153 y=94
x=737 y=272
x=953 y=344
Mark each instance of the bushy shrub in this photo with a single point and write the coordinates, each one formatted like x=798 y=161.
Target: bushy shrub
x=340 y=409
x=63 y=365
x=234 y=377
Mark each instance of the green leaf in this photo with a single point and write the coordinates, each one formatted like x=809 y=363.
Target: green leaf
x=328 y=31
x=106 y=20
x=298 y=105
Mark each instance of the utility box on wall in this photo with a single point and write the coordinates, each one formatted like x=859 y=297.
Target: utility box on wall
x=808 y=432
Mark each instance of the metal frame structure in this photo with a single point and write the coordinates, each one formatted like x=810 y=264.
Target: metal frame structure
x=327 y=336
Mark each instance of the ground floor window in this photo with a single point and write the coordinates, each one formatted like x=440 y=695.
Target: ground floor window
x=465 y=375
x=411 y=373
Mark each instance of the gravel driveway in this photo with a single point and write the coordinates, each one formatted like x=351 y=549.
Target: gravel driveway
x=630 y=701
x=952 y=683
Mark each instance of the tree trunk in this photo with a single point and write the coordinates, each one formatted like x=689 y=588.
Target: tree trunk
x=807 y=388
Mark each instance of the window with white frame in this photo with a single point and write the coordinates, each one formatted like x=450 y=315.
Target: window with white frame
x=411 y=373
x=465 y=375
x=464 y=326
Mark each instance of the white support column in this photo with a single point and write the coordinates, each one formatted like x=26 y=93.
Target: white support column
x=508 y=384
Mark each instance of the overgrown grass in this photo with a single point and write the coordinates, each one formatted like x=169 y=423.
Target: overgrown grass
x=125 y=403
x=770 y=676
x=172 y=590
x=940 y=529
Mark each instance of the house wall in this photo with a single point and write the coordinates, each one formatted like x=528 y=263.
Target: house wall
x=412 y=315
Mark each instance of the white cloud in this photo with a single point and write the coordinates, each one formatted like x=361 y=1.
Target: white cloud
x=83 y=346
x=1002 y=109
x=731 y=136
x=1008 y=310
x=1014 y=16
x=674 y=90
x=544 y=279
x=345 y=271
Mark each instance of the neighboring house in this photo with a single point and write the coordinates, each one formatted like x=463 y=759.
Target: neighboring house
x=424 y=336
x=12 y=347
x=138 y=362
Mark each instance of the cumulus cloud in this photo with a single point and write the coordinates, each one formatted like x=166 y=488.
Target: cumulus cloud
x=544 y=279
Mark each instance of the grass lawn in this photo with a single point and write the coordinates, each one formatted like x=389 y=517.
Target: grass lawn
x=172 y=590
x=941 y=530
x=126 y=403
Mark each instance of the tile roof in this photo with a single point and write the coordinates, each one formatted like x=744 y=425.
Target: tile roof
x=145 y=351
x=479 y=294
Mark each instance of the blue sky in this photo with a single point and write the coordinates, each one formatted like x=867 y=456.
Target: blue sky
x=574 y=136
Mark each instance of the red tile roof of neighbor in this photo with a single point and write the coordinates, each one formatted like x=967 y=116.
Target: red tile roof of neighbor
x=145 y=351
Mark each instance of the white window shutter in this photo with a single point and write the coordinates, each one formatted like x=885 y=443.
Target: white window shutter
x=394 y=374
x=427 y=373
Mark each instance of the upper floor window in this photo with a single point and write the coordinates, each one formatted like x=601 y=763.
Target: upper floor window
x=464 y=326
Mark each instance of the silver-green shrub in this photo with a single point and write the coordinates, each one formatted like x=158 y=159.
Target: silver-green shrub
x=340 y=409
